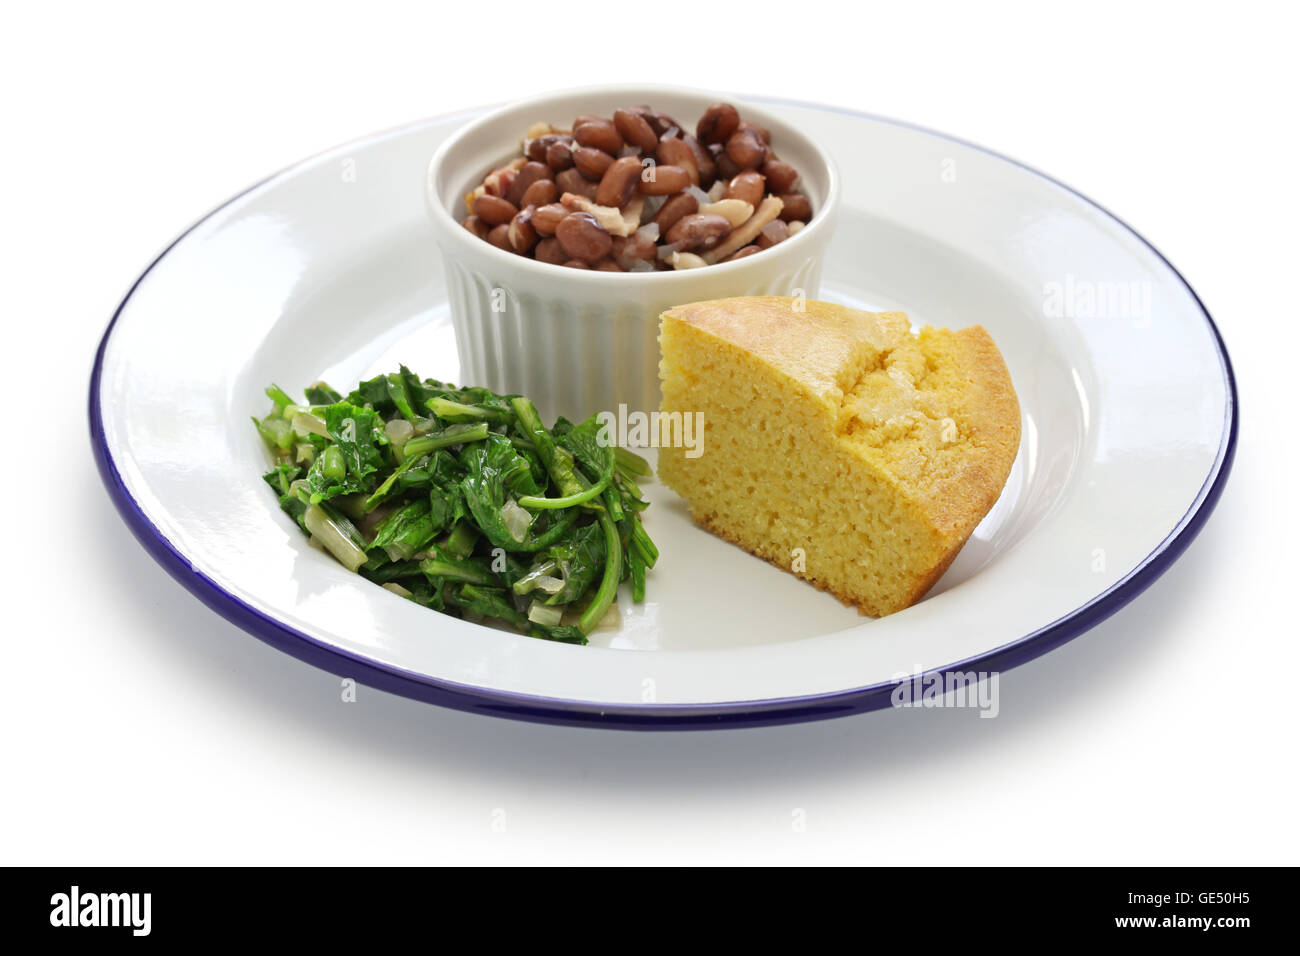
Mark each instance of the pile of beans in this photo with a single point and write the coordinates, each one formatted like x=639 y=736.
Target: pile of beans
x=636 y=192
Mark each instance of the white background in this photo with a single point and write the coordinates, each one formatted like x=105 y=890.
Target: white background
x=139 y=727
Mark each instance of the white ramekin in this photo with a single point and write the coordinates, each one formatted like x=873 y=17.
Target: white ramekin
x=578 y=341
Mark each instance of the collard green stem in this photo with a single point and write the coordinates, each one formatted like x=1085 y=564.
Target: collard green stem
x=558 y=466
x=613 y=574
x=452 y=435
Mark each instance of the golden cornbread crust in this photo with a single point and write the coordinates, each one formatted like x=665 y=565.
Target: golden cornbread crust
x=837 y=444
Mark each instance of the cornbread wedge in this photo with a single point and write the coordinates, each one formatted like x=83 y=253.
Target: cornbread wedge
x=837 y=444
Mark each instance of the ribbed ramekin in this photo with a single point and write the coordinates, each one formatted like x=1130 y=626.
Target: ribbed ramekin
x=579 y=341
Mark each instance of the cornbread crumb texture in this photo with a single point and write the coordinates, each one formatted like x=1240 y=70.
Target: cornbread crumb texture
x=838 y=444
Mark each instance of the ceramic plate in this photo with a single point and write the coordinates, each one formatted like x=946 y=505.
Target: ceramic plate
x=328 y=270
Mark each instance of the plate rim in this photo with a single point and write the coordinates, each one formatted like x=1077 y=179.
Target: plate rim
x=714 y=715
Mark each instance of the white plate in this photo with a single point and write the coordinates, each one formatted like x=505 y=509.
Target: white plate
x=328 y=270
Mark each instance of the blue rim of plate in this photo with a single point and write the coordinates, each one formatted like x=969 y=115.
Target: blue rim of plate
x=719 y=715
